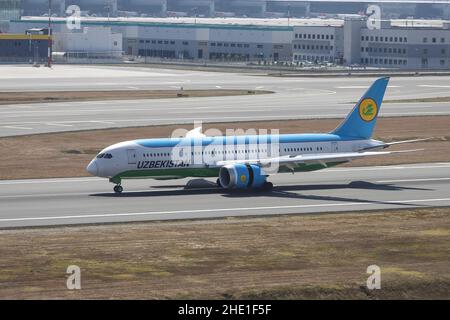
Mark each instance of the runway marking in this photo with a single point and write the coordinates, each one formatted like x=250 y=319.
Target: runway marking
x=414 y=180
x=102 y=121
x=362 y=87
x=216 y=111
x=432 y=86
x=18 y=128
x=59 y=125
x=113 y=215
x=49 y=181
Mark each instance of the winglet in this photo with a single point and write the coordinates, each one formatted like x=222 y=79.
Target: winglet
x=362 y=119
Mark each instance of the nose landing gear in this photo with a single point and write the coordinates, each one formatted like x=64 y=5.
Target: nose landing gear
x=117 y=181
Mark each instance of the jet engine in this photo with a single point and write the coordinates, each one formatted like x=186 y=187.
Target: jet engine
x=241 y=176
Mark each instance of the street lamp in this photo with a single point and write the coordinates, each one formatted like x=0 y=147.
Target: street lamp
x=49 y=53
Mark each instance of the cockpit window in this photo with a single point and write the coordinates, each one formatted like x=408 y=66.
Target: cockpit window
x=104 y=156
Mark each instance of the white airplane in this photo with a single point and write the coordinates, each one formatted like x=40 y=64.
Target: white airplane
x=245 y=162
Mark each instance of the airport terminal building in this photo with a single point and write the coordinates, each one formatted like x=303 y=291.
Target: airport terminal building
x=404 y=44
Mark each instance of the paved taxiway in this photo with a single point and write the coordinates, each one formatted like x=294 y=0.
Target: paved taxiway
x=295 y=98
x=90 y=200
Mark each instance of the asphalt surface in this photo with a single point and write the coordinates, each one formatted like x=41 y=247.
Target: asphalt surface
x=90 y=200
x=294 y=98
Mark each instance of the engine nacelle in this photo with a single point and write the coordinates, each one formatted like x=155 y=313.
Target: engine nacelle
x=241 y=176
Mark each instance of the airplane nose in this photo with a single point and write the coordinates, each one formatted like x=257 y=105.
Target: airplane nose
x=92 y=168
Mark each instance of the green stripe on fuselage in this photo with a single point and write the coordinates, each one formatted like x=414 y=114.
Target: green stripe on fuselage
x=178 y=173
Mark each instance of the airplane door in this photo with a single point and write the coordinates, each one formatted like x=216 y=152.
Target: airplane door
x=131 y=156
x=334 y=147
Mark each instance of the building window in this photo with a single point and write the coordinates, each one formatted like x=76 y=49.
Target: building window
x=425 y=40
x=442 y=62
x=442 y=40
x=433 y=40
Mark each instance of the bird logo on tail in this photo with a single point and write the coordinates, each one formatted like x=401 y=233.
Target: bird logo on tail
x=368 y=109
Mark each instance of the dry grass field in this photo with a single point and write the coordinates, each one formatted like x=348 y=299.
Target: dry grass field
x=285 y=257
x=8 y=98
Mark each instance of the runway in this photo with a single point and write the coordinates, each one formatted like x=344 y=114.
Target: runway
x=294 y=98
x=90 y=200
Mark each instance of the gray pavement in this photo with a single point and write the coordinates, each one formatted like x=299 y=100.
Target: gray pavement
x=90 y=200
x=295 y=98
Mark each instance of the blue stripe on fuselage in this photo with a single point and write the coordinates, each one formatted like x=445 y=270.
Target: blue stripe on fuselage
x=230 y=140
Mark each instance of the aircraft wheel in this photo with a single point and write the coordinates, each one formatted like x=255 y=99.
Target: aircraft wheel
x=218 y=183
x=268 y=186
x=118 y=189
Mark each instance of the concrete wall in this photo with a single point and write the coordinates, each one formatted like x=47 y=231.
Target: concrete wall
x=98 y=40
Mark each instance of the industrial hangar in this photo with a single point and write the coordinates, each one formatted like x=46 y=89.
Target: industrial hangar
x=401 y=44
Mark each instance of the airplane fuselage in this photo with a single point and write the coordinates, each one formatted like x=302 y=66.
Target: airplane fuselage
x=160 y=158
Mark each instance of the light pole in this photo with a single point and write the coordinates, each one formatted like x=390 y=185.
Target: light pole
x=49 y=54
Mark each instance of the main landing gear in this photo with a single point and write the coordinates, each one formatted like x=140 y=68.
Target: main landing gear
x=118 y=189
x=267 y=186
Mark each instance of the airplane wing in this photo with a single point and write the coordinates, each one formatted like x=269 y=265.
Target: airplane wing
x=385 y=145
x=407 y=141
x=311 y=158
